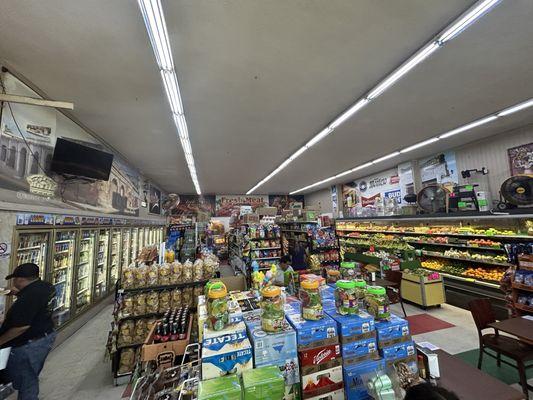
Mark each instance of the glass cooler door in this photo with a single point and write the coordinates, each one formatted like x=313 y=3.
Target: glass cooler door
x=116 y=240
x=61 y=273
x=84 y=270
x=134 y=244
x=102 y=262
x=32 y=246
x=125 y=251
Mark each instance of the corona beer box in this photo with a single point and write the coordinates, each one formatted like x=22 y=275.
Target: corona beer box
x=398 y=350
x=353 y=327
x=313 y=333
x=225 y=352
x=354 y=383
x=394 y=330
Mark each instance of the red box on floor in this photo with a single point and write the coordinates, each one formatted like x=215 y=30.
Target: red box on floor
x=319 y=355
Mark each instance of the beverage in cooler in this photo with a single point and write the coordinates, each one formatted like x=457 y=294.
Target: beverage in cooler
x=114 y=257
x=142 y=241
x=100 y=272
x=62 y=267
x=32 y=247
x=125 y=252
x=134 y=244
x=84 y=269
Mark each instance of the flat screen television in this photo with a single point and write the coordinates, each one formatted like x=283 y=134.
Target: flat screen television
x=71 y=158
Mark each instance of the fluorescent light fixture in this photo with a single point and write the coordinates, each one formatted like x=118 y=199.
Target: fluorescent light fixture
x=325 y=132
x=368 y=164
x=518 y=107
x=391 y=155
x=412 y=62
x=348 y=113
x=469 y=126
x=418 y=145
x=154 y=20
x=450 y=32
x=466 y=19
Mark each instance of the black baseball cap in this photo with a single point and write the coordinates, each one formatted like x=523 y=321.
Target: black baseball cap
x=26 y=270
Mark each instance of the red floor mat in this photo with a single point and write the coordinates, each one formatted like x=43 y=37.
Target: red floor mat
x=423 y=323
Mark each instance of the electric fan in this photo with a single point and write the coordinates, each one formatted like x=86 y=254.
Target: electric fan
x=516 y=191
x=433 y=199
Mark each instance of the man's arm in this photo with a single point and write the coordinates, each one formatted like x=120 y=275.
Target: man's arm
x=12 y=333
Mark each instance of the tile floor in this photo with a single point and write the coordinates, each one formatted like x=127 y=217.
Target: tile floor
x=78 y=370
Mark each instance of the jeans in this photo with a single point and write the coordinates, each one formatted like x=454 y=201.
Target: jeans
x=25 y=364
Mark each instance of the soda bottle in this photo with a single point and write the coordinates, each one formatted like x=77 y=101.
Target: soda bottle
x=157 y=333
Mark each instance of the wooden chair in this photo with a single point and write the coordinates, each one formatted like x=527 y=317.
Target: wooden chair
x=520 y=352
x=394 y=292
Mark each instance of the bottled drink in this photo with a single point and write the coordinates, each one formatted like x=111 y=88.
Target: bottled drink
x=157 y=334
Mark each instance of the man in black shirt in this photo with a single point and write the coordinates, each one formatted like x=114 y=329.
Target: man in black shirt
x=28 y=329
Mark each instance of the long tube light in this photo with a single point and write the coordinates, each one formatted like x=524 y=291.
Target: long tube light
x=471 y=125
x=154 y=20
x=449 y=33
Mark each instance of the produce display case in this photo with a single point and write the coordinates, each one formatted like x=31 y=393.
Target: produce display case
x=470 y=251
x=423 y=288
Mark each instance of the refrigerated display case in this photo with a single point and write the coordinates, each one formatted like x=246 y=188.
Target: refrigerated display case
x=61 y=274
x=114 y=264
x=142 y=238
x=102 y=257
x=32 y=246
x=125 y=250
x=84 y=270
x=134 y=244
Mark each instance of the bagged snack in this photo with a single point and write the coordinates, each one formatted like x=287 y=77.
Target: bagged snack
x=152 y=303
x=140 y=276
x=127 y=304
x=164 y=274
x=139 y=304
x=125 y=333
x=175 y=272
x=150 y=322
x=198 y=270
x=140 y=331
x=164 y=301
x=127 y=361
x=209 y=268
x=186 y=297
x=152 y=275
x=197 y=291
x=176 y=298
x=187 y=271
x=128 y=278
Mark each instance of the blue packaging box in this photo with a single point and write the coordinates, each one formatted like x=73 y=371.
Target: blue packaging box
x=329 y=306
x=327 y=292
x=293 y=306
x=395 y=329
x=398 y=350
x=354 y=385
x=359 y=348
x=353 y=325
x=308 y=332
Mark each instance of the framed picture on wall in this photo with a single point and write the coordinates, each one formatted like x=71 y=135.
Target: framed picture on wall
x=154 y=202
x=521 y=159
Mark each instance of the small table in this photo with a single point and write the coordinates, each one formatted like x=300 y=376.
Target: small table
x=520 y=327
x=469 y=383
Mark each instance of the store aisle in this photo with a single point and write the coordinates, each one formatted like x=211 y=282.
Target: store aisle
x=77 y=369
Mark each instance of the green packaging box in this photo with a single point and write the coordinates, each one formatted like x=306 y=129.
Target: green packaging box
x=223 y=388
x=265 y=383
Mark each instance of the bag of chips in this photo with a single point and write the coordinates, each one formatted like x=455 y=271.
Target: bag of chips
x=128 y=278
x=125 y=334
x=186 y=297
x=140 y=331
x=187 y=272
x=140 y=276
x=127 y=361
x=165 y=299
x=175 y=272
x=176 y=300
x=152 y=303
x=152 y=275
x=139 y=304
x=127 y=305
x=198 y=270
x=164 y=274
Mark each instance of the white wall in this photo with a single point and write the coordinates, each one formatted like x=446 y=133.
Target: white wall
x=320 y=200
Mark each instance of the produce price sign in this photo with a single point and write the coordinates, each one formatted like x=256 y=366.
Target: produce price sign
x=228 y=205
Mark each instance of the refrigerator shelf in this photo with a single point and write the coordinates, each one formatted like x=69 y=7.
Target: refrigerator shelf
x=58 y=283
x=62 y=251
x=29 y=248
x=60 y=268
x=64 y=241
x=83 y=277
x=82 y=290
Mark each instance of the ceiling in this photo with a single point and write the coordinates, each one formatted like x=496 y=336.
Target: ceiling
x=260 y=78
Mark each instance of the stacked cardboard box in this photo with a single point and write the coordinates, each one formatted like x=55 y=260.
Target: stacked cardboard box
x=319 y=355
x=226 y=352
x=276 y=349
x=395 y=343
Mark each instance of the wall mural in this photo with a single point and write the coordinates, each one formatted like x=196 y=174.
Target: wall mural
x=27 y=139
x=229 y=205
x=521 y=159
x=285 y=202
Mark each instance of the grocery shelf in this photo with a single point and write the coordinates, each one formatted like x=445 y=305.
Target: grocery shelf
x=464 y=215
x=293 y=230
x=522 y=287
x=163 y=287
x=325 y=248
x=462 y=235
x=265 y=248
x=28 y=248
x=296 y=222
x=265 y=258
x=466 y=246
x=440 y=255
x=264 y=238
x=465 y=278
x=523 y=307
